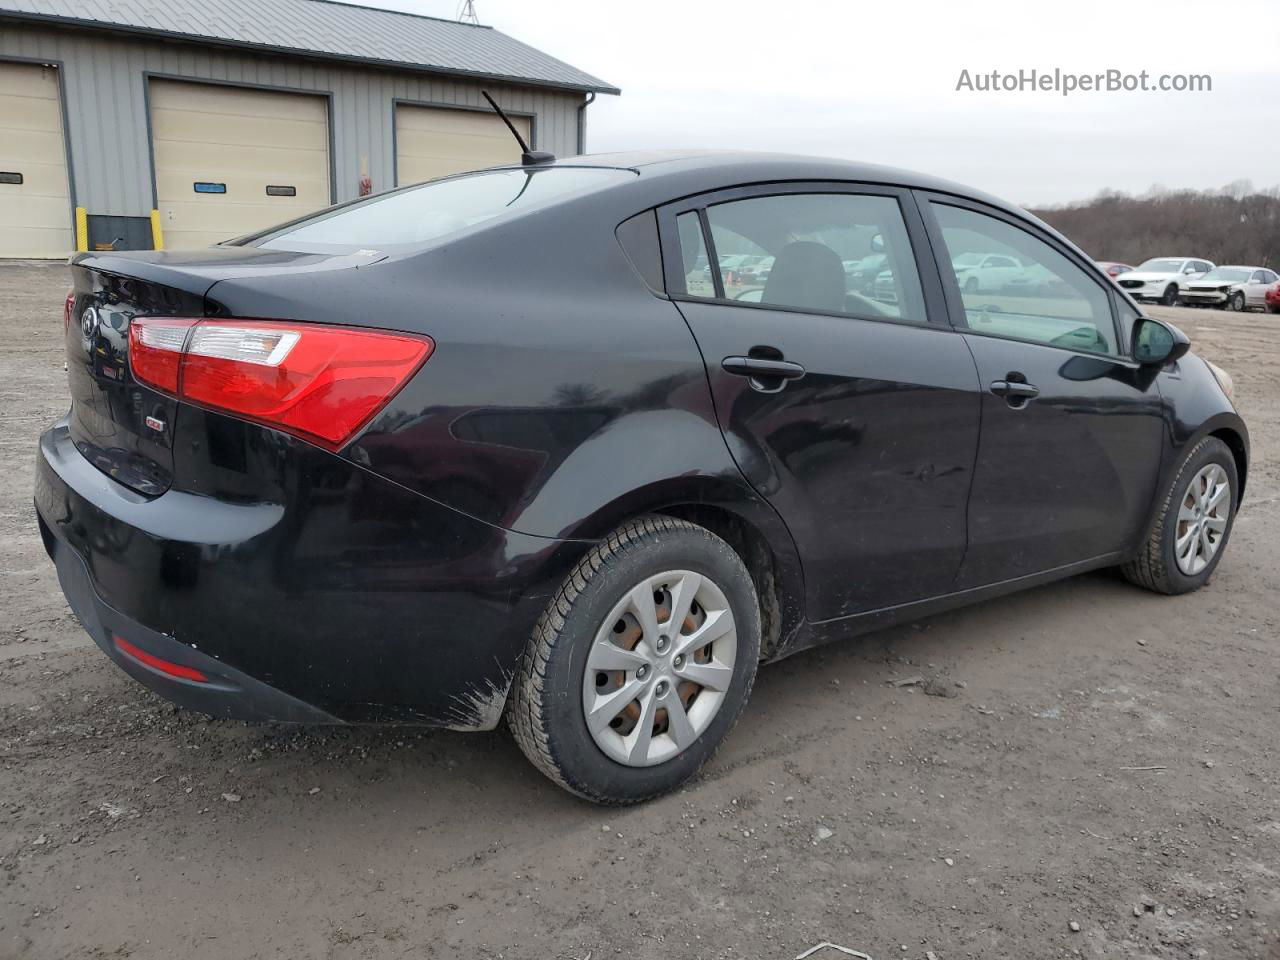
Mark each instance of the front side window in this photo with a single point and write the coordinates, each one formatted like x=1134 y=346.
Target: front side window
x=410 y=218
x=1034 y=293
x=833 y=253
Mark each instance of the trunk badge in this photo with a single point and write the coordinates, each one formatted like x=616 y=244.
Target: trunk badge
x=155 y=423
x=89 y=323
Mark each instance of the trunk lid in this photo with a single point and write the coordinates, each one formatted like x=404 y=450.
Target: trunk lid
x=122 y=427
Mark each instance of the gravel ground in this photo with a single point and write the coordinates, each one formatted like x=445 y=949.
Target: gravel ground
x=1101 y=784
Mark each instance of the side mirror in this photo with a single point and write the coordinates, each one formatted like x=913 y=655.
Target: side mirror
x=1156 y=342
x=1190 y=270
x=877 y=244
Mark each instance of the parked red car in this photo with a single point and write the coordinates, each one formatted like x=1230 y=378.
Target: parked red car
x=1112 y=269
x=1273 y=298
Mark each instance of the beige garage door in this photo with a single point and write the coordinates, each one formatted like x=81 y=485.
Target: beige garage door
x=435 y=142
x=35 y=202
x=230 y=160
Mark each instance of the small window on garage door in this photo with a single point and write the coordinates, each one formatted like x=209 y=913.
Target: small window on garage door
x=1015 y=285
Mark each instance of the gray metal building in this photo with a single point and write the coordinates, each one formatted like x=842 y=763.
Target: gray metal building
x=181 y=122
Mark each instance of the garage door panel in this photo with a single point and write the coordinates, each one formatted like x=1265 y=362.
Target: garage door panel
x=227 y=220
x=179 y=187
x=47 y=243
x=243 y=138
x=38 y=180
x=218 y=161
x=29 y=80
x=23 y=114
x=233 y=101
x=35 y=215
x=244 y=131
x=436 y=142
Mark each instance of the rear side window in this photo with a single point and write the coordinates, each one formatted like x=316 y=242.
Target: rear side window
x=698 y=280
x=410 y=218
x=1034 y=293
x=836 y=253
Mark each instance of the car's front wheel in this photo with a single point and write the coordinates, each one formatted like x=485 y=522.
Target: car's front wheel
x=1237 y=301
x=1193 y=524
x=641 y=663
x=1170 y=297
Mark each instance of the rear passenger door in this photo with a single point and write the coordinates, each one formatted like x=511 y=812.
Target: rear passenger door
x=853 y=411
x=1071 y=426
x=1256 y=290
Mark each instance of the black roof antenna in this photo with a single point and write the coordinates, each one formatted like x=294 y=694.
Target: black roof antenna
x=529 y=158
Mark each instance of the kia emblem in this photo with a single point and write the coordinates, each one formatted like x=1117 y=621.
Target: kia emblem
x=89 y=324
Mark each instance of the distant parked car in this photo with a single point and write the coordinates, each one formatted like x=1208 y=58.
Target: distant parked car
x=1113 y=269
x=984 y=272
x=1273 y=298
x=861 y=274
x=1237 y=288
x=1162 y=278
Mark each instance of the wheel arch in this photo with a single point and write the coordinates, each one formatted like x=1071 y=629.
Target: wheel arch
x=732 y=510
x=1239 y=453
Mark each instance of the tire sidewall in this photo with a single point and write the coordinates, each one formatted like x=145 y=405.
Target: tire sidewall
x=1211 y=450
x=587 y=768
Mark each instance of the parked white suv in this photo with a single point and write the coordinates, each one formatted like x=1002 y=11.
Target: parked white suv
x=1162 y=278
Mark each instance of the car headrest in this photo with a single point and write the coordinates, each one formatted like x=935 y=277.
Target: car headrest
x=807 y=274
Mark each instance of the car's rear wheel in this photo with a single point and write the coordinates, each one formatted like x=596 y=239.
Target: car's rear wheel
x=641 y=663
x=1170 y=297
x=1193 y=525
x=1237 y=301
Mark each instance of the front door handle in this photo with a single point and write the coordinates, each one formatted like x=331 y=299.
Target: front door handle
x=1016 y=392
x=756 y=367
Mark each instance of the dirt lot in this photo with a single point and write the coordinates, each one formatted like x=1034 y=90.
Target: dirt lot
x=1111 y=753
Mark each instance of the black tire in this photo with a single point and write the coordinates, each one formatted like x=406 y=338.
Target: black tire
x=1237 y=301
x=1273 y=309
x=545 y=712
x=1170 y=298
x=971 y=285
x=1154 y=567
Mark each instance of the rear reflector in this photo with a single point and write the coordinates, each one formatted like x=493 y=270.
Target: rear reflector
x=155 y=663
x=320 y=383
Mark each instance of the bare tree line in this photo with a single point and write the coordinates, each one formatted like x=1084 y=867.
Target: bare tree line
x=1234 y=225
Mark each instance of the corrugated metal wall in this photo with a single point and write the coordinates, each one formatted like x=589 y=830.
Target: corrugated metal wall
x=104 y=79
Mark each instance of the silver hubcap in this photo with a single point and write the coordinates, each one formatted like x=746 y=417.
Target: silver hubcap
x=659 y=668
x=1202 y=519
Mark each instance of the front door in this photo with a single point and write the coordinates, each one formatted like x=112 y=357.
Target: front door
x=1071 y=428
x=852 y=409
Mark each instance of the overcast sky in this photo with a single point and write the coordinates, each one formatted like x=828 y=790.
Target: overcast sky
x=876 y=80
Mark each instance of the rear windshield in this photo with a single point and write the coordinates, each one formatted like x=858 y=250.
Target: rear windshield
x=410 y=218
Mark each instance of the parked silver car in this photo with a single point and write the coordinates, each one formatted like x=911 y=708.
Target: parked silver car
x=1237 y=288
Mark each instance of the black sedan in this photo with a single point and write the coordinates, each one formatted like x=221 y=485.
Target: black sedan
x=494 y=445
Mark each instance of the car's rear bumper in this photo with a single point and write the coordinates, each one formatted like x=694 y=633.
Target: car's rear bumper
x=318 y=593
x=209 y=685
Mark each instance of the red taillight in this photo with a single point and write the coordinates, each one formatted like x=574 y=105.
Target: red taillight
x=67 y=306
x=320 y=383
x=155 y=350
x=155 y=663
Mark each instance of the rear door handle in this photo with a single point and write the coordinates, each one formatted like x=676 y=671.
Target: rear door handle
x=753 y=367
